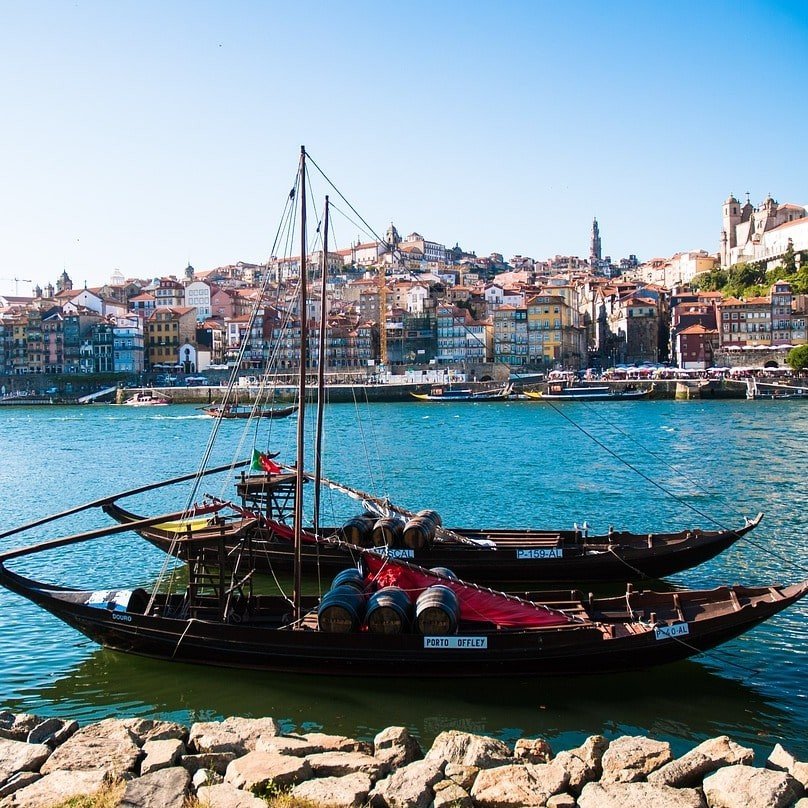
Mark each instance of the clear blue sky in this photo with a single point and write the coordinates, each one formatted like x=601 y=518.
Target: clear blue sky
x=143 y=135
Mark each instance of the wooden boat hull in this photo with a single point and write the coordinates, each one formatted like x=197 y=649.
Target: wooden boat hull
x=278 y=412
x=687 y=623
x=522 y=557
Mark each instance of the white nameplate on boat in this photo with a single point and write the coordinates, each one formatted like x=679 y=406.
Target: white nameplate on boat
x=455 y=642
x=676 y=630
x=395 y=552
x=540 y=552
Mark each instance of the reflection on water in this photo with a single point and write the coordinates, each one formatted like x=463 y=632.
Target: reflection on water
x=516 y=465
x=683 y=703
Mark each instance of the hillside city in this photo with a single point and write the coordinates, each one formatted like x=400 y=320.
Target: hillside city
x=438 y=306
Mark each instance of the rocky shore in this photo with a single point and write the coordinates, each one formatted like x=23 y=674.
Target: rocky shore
x=247 y=762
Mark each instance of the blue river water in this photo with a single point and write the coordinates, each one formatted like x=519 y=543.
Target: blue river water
x=644 y=466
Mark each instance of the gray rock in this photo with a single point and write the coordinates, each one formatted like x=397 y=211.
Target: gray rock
x=639 y=795
x=211 y=761
x=148 y=729
x=257 y=770
x=349 y=791
x=336 y=743
x=18 y=781
x=17 y=756
x=161 y=754
x=449 y=794
x=56 y=788
x=583 y=764
x=224 y=795
x=107 y=747
x=632 y=758
x=464 y=776
x=238 y=735
x=339 y=764
x=515 y=786
x=781 y=760
x=469 y=750
x=745 y=786
x=395 y=745
x=202 y=777
x=165 y=787
x=52 y=731
x=409 y=786
x=533 y=750
x=689 y=770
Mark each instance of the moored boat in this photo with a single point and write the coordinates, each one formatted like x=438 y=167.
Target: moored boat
x=147 y=399
x=229 y=411
x=467 y=393
x=558 y=391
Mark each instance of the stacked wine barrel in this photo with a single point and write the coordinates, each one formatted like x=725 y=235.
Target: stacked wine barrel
x=416 y=533
x=346 y=607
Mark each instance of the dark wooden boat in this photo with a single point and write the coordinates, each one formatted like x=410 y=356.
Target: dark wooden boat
x=385 y=617
x=500 y=557
x=219 y=621
x=247 y=411
x=558 y=391
x=449 y=393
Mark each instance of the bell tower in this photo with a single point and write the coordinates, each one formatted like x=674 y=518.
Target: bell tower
x=731 y=218
x=594 y=244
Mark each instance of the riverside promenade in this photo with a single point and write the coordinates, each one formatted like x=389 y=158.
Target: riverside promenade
x=253 y=762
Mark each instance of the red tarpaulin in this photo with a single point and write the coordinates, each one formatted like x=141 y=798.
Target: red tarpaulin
x=475 y=604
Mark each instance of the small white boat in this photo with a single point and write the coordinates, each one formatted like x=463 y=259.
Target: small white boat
x=147 y=399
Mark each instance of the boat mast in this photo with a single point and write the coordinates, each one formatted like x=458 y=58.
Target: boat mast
x=318 y=435
x=301 y=409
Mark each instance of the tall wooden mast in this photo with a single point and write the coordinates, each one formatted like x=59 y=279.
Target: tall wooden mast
x=321 y=368
x=301 y=409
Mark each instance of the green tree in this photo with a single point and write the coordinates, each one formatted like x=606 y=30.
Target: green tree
x=789 y=261
x=797 y=358
x=712 y=281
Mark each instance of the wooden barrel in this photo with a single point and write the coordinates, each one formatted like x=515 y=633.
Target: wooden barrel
x=358 y=530
x=445 y=572
x=437 y=611
x=387 y=532
x=420 y=531
x=341 y=610
x=350 y=577
x=389 y=611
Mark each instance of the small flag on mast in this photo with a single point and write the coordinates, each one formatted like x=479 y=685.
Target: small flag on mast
x=263 y=462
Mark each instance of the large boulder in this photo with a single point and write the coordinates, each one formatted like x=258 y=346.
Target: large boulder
x=583 y=764
x=165 y=787
x=16 y=726
x=107 y=747
x=410 y=786
x=259 y=770
x=350 y=791
x=336 y=743
x=287 y=745
x=481 y=751
x=781 y=760
x=52 y=731
x=464 y=776
x=17 y=756
x=690 y=769
x=639 y=795
x=148 y=729
x=745 y=786
x=237 y=735
x=532 y=750
x=395 y=746
x=210 y=761
x=223 y=795
x=515 y=786
x=161 y=754
x=632 y=758
x=449 y=794
x=55 y=788
x=339 y=764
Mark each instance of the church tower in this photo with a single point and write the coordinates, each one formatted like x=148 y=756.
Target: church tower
x=594 y=244
x=392 y=237
x=64 y=283
x=731 y=216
